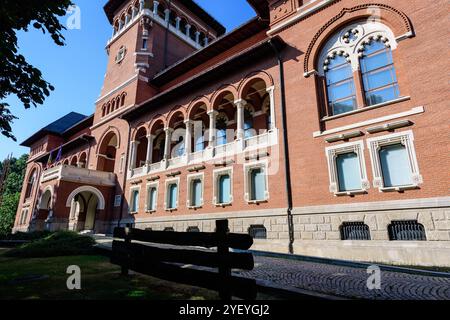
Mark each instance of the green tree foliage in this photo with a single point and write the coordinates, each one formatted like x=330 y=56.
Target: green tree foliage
x=17 y=76
x=11 y=193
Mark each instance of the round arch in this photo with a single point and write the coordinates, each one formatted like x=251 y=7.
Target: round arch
x=105 y=134
x=397 y=20
x=202 y=100
x=45 y=201
x=174 y=112
x=252 y=78
x=95 y=191
x=220 y=92
x=157 y=122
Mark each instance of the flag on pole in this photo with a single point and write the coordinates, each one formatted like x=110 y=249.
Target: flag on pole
x=59 y=155
x=49 y=161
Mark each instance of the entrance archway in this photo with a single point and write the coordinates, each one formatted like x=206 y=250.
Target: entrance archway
x=84 y=203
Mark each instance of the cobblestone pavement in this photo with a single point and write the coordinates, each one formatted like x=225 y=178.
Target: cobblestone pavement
x=347 y=281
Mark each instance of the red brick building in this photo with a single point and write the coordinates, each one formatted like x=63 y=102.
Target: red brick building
x=319 y=127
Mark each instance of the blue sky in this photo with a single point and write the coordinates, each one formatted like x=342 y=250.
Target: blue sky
x=77 y=70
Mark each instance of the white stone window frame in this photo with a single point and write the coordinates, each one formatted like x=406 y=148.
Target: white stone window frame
x=264 y=165
x=121 y=53
x=147 y=200
x=216 y=179
x=190 y=179
x=406 y=138
x=364 y=31
x=332 y=152
x=132 y=190
x=169 y=182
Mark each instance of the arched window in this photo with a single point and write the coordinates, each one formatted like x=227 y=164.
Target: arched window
x=30 y=184
x=340 y=85
x=360 y=53
x=378 y=73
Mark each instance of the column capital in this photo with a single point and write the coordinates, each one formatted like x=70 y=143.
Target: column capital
x=151 y=136
x=168 y=130
x=240 y=103
x=270 y=89
x=212 y=112
x=177 y=19
x=188 y=121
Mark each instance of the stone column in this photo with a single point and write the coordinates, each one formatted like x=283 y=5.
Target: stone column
x=134 y=12
x=133 y=153
x=141 y=5
x=212 y=128
x=168 y=143
x=206 y=40
x=178 y=20
x=272 y=108
x=188 y=28
x=240 y=105
x=120 y=25
x=155 y=7
x=167 y=15
x=188 y=139
x=127 y=19
x=197 y=37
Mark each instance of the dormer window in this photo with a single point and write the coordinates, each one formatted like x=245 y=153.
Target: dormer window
x=121 y=54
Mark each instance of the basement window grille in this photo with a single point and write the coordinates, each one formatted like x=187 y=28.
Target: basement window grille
x=257 y=232
x=355 y=231
x=409 y=230
x=193 y=229
x=169 y=229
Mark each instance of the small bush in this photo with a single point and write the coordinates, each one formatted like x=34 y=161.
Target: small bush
x=62 y=243
x=29 y=236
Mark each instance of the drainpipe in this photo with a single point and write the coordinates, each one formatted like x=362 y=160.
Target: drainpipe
x=285 y=147
x=125 y=173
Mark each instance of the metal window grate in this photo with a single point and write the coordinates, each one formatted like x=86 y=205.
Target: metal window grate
x=406 y=230
x=193 y=229
x=170 y=229
x=257 y=232
x=355 y=231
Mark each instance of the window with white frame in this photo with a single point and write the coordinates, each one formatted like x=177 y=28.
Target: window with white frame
x=223 y=191
x=346 y=168
x=134 y=200
x=256 y=182
x=195 y=191
x=358 y=53
x=152 y=196
x=171 y=202
x=394 y=161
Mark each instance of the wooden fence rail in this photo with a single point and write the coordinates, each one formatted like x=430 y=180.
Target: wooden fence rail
x=168 y=263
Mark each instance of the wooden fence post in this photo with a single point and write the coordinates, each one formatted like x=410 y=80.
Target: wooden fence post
x=127 y=242
x=224 y=268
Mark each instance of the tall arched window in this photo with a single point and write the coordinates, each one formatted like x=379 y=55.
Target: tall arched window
x=378 y=72
x=30 y=184
x=356 y=68
x=340 y=85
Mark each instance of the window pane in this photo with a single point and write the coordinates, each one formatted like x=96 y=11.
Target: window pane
x=134 y=201
x=258 y=185
x=344 y=106
x=348 y=170
x=382 y=95
x=224 y=189
x=379 y=78
x=395 y=165
x=199 y=144
x=196 y=193
x=340 y=91
x=338 y=74
x=173 y=194
x=152 y=199
x=374 y=46
x=376 y=61
x=221 y=137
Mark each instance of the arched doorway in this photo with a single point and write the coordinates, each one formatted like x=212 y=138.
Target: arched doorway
x=84 y=203
x=106 y=156
x=45 y=209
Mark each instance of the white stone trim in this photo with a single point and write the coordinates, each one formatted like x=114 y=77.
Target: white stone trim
x=189 y=179
x=332 y=152
x=120 y=86
x=149 y=185
x=413 y=111
x=132 y=190
x=101 y=199
x=217 y=173
x=262 y=164
x=407 y=139
x=169 y=182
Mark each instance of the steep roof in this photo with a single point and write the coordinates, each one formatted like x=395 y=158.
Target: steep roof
x=57 y=127
x=112 y=5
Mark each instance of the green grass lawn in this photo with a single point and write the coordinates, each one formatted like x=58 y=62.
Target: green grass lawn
x=100 y=280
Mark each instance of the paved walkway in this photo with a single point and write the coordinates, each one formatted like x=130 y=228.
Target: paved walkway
x=347 y=281
x=342 y=281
